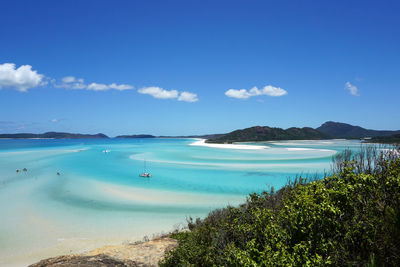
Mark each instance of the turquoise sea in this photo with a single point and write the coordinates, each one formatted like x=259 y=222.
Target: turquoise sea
x=99 y=198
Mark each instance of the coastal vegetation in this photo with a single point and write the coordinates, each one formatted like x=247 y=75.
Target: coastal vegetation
x=350 y=218
x=265 y=133
x=391 y=139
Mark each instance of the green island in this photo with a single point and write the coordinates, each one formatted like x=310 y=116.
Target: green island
x=265 y=133
x=391 y=139
x=350 y=218
x=328 y=130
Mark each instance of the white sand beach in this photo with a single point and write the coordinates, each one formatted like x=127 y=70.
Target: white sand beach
x=202 y=142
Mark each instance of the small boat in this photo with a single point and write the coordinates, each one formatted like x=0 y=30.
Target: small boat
x=145 y=173
x=106 y=151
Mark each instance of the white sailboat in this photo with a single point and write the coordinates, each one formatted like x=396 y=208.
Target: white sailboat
x=145 y=173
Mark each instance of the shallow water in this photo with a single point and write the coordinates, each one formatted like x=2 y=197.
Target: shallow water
x=100 y=199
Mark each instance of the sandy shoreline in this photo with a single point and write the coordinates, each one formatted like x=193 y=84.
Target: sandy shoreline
x=202 y=142
x=147 y=253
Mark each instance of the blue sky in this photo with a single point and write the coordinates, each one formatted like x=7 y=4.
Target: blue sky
x=179 y=67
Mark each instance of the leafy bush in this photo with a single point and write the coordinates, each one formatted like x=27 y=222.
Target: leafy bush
x=349 y=218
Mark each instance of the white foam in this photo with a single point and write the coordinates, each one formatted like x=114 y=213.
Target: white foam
x=298 y=149
x=308 y=149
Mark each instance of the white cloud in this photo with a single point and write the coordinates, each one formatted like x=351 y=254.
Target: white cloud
x=120 y=87
x=241 y=94
x=21 y=79
x=188 y=97
x=24 y=78
x=273 y=91
x=97 y=87
x=71 y=82
x=68 y=79
x=158 y=92
x=54 y=120
x=77 y=85
x=352 y=88
x=266 y=90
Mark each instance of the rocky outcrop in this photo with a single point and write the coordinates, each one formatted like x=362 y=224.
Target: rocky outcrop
x=138 y=254
x=86 y=261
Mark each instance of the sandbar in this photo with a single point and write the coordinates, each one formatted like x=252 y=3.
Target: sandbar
x=202 y=142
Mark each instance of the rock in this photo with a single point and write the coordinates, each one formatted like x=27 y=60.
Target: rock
x=138 y=254
x=83 y=261
x=143 y=254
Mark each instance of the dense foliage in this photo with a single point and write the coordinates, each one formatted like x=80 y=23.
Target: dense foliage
x=266 y=133
x=349 y=218
x=392 y=139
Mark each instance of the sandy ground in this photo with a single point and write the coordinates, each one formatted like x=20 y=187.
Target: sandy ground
x=202 y=142
x=139 y=254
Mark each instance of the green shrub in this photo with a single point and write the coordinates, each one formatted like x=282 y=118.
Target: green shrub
x=349 y=218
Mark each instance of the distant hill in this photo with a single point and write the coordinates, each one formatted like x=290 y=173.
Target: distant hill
x=391 y=139
x=55 y=135
x=205 y=136
x=344 y=130
x=328 y=130
x=265 y=133
x=136 y=136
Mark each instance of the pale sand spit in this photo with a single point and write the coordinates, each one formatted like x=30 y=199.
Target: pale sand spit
x=202 y=142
